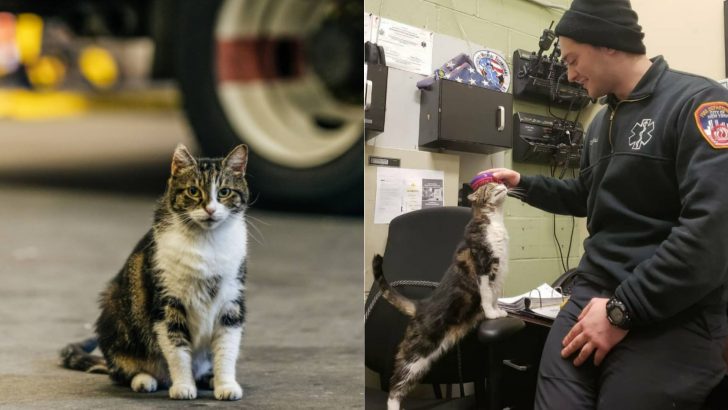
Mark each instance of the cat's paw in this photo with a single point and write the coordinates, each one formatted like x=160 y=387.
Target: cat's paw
x=228 y=391
x=494 y=313
x=393 y=404
x=143 y=382
x=182 y=391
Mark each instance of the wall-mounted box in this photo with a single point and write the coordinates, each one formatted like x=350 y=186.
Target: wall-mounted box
x=465 y=117
x=374 y=114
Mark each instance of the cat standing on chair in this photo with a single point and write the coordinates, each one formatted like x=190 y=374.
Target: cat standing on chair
x=174 y=315
x=467 y=293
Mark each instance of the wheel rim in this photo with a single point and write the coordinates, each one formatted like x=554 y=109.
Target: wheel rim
x=268 y=89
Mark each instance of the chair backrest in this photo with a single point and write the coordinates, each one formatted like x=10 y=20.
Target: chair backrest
x=420 y=247
x=420 y=244
x=565 y=281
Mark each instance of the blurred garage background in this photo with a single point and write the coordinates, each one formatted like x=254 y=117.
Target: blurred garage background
x=94 y=96
x=281 y=76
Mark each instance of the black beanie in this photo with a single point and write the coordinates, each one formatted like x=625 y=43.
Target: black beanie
x=604 y=23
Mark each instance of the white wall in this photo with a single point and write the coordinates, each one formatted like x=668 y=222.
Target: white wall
x=688 y=33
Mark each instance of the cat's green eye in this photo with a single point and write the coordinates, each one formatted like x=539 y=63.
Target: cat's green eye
x=193 y=192
x=224 y=193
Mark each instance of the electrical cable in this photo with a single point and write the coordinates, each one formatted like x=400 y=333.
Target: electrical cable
x=556 y=238
x=573 y=225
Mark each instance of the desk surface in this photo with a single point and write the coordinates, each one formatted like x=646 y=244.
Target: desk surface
x=526 y=317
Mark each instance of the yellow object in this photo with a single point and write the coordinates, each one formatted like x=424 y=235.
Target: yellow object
x=564 y=302
x=47 y=72
x=33 y=105
x=29 y=37
x=98 y=66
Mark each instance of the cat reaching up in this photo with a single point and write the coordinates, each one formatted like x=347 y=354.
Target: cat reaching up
x=467 y=293
x=174 y=314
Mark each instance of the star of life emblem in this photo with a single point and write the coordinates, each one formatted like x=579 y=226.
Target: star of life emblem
x=641 y=133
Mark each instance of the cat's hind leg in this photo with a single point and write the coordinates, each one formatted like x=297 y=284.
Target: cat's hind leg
x=144 y=382
x=407 y=374
x=416 y=354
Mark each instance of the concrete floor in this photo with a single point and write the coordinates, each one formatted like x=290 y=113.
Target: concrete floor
x=66 y=228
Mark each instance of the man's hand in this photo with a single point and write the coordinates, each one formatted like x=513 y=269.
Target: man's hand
x=510 y=177
x=592 y=333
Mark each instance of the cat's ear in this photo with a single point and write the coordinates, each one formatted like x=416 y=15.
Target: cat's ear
x=237 y=160
x=181 y=159
x=472 y=197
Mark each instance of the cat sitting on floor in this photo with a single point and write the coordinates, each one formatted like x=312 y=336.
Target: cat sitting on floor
x=467 y=293
x=174 y=315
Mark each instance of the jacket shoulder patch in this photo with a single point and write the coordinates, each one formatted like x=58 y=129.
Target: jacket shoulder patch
x=712 y=121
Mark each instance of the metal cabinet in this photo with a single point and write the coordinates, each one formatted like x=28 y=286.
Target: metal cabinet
x=464 y=117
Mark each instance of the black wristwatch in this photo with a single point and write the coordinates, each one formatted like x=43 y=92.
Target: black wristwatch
x=617 y=313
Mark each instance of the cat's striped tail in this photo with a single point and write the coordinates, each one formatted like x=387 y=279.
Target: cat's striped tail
x=397 y=300
x=77 y=356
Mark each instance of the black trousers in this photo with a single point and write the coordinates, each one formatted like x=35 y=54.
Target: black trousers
x=672 y=365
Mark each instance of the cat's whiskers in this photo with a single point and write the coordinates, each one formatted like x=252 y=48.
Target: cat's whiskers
x=261 y=240
x=257 y=220
x=516 y=192
x=187 y=223
x=254 y=200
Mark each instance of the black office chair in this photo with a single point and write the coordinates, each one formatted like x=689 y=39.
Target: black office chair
x=419 y=249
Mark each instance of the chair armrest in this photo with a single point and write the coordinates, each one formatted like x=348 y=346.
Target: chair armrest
x=495 y=330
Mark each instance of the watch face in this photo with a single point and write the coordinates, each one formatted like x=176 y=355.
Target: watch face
x=616 y=314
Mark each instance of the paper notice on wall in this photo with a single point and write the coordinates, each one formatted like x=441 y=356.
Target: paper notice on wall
x=402 y=190
x=432 y=193
x=405 y=47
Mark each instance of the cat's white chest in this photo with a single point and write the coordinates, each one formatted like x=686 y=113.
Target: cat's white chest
x=203 y=312
x=187 y=262
x=219 y=252
x=497 y=237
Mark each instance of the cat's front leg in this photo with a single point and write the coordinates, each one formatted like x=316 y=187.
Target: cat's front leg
x=225 y=347
x=173 y=336
x=489 y=299
x=496 y=289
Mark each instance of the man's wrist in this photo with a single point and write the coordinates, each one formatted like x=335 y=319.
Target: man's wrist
x=617 y=314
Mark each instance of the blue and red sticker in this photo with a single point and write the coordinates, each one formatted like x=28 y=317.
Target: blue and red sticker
x=712 y=121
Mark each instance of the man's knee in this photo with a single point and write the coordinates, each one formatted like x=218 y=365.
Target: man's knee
x=558 y=394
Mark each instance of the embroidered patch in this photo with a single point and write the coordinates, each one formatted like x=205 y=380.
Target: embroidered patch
x=712 y=121
x=641 y=133
x=494 y=68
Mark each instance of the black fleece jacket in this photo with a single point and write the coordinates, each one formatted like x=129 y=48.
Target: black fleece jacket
x=653 y=185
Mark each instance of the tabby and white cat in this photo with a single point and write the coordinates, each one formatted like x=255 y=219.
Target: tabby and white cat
x=467 y=293
x=174 y=314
